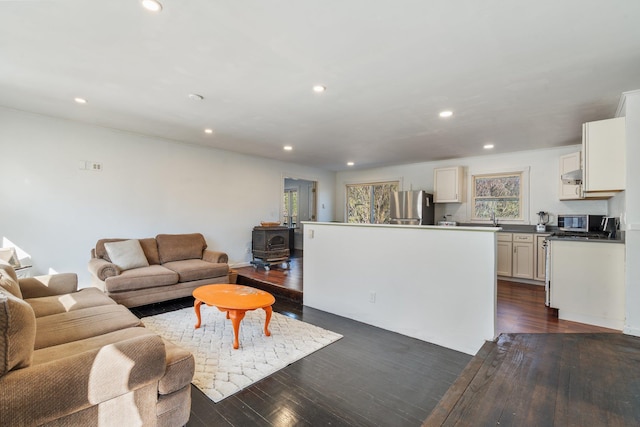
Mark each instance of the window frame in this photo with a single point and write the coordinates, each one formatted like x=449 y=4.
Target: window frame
x=391 y=181
x=524 y=195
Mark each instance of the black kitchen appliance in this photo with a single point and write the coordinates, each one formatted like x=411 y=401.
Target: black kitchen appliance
x=580 y=222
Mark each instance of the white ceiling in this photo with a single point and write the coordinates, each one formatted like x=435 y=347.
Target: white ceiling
x=521 y=74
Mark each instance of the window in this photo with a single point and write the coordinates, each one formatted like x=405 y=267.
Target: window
x=290 y=208
x=370 y=203
x=500 y=194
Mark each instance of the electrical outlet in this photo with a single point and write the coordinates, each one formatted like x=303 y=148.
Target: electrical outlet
x=372 y=297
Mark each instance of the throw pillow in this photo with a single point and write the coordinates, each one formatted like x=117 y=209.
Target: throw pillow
x=18 y=323
x=126 y=254
x=9 y=255
x=9 y=284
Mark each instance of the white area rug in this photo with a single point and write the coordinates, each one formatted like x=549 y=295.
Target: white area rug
x=222 y=371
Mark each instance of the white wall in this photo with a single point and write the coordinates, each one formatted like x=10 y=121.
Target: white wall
x=632 y=214
x=543 y=182
x=437 y=284
x=56 y=212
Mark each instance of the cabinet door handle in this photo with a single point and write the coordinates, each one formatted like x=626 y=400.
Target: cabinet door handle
x=514 y=250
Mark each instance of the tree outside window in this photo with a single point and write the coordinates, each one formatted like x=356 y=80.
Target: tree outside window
x=370 y=203
x=290 y=208
x=499 y=195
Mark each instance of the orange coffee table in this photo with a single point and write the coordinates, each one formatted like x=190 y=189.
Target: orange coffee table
x=236 y=300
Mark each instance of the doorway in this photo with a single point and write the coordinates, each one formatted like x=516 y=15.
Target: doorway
x=299 y=203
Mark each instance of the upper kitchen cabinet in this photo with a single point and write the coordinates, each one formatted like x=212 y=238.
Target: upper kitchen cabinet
x=448 y=185
x=603 y=147
x=570 y=163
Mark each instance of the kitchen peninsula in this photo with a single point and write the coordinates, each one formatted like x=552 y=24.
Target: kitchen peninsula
x=437 y=284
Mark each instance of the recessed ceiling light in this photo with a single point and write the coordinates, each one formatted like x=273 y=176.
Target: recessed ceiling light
x=195 y=97
x=445 y=114
x=319 y=88
x=287 y=148
x=350 y=163
x=487 y=146
x=208 y=131
x=152 y=5
x=80 y=100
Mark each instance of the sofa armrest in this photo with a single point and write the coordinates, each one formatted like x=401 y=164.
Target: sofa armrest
x=102 y=269
x=45 y=392
x=52 y=284
x=215 y=256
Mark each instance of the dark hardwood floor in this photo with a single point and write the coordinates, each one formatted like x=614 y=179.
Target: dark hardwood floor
x=279 y=280
x=569 y=379
x=521 y=309
x=371 y=377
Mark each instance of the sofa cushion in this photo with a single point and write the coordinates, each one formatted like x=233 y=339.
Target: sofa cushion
x=141 y=278
x=9 y=284
x=176 y=247
x=81 y=324
x=196 y=269
x=84 y=298
x=18 y=326
x=149 y=246
x=126 y=254
x=180 y=364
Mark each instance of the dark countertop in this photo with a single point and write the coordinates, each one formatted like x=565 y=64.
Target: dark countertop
x=620 y=239
x=514 y=228
x=531 y=229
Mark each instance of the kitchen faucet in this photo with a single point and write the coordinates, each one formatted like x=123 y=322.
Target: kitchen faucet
x=494 y=219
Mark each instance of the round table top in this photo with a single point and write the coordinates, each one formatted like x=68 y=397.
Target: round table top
x=236 y=297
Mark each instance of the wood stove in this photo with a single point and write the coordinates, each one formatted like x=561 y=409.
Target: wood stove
x=270 y=245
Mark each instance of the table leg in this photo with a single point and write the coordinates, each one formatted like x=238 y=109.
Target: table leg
x=196 y=307
x=236 y=316
x=268 y=311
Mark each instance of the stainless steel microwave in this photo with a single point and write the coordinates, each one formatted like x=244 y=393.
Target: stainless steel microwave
x=580 y=223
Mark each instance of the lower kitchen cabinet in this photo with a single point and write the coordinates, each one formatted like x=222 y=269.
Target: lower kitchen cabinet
x=505 y=256
x=523 y=256
x=519 y=256
x=587 y=282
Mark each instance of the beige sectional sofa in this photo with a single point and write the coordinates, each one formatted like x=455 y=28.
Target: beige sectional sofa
x=70 y=357
x=172 y=266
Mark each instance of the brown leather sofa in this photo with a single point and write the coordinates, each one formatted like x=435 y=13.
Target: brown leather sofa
x=76 y=357
x=177 y=264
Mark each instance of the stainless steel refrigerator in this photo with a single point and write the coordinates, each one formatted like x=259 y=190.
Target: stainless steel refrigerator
x=412 y=208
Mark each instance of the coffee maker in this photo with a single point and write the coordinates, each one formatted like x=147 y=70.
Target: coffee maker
x=610 y=226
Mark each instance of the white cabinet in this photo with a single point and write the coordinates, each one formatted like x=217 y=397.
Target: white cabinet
x=504 y=254
x=603 y=147
x=523 y=255
x=587 y=282
x=540 y=261
x=519 y=256
x=569 y=163
x=448 y=185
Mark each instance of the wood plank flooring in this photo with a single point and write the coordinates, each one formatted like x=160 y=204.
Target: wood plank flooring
x=279 y=280
x=369 y=377
x=547 y=380
x=373 y=377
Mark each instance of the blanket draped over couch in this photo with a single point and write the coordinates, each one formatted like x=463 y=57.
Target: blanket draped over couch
x=76 y=357
x=166 y=267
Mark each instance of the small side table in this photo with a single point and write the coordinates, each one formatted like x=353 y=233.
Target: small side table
x=23 y=272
